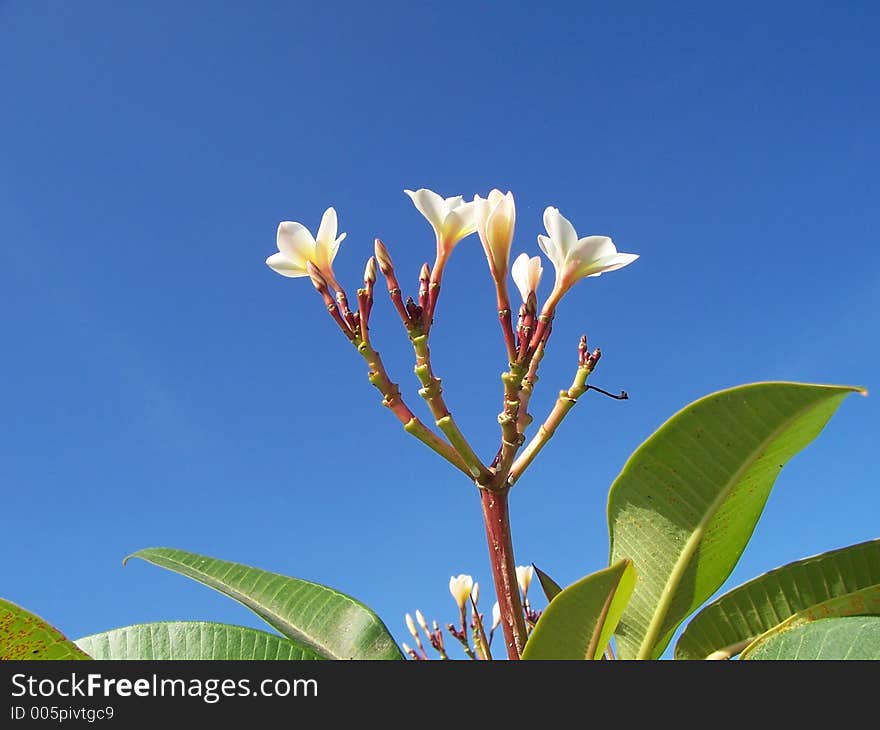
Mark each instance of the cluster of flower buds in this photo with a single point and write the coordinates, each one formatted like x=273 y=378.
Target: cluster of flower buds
x=471 y=626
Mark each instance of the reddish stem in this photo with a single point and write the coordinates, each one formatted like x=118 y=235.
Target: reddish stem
x=497 y=520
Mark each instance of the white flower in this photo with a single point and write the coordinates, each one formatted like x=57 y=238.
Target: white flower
x=475 y=592
x=296 y=247
x=495 y=219
x=451 y=218
x=526 y=274
x=496 y=616
x=460 y=587
x=576 y=258
x=524 y=575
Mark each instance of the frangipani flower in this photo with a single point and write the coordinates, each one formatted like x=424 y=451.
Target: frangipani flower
x=576 y=258
x=460 y=587
x=524 y=575
x=296 y=247
x=495 y=219
x=451 y=218
x=526 y=274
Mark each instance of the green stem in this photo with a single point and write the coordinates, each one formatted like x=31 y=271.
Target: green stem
x=393 y=400
x=432 y=392
x=564 y=403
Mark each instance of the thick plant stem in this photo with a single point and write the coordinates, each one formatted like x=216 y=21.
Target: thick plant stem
x=497 y=521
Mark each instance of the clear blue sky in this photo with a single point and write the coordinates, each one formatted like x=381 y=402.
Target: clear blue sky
x=161 y=386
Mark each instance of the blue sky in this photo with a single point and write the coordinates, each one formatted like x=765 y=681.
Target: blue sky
x=161 y=386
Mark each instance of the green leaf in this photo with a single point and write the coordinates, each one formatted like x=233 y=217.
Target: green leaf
x=192 y=640
x=550 y=587
x=24 y=635
x=688 y=499
x=851 y=637
x=579 y=621
x=331 y=623
x=732 y=621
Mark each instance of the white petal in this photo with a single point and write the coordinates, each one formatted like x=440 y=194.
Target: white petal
x=335 y=246
x=430 y=205
x=295 y=242
x=593 y=248
x=453 y=202
x=459 y=223
x=548 y=246
x=536 y=271
x=495 y=196
x=560 y=229
x=612 y=263
x=520 y=273
x=329 y=225
x=284 y=266
x=481 y=215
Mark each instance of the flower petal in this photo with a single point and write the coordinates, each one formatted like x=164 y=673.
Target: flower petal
x=459 y=223
x=430 y=205
x=481 y=215
x=453 y=202
x=560 y=229
x=284 y=266
x=495 y=196
x=329 y=225
x=335 y=246
x=295 y=242
x=612 y=263
x=592 y=248
x=520 y=273
x=548 y=246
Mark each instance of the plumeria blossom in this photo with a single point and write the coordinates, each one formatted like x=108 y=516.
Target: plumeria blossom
x=297 y=247
x=524 y=575
x=451 y=218
x=527 y=274
x=495 y=218
x=576 y=258
x=460 y=587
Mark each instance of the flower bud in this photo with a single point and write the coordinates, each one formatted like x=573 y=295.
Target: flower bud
x=495 y=219
x=383 y=257
x=526 y=274
x=318 y=280
x=524 y=575
x=370 y=271
x=496 y=616
x=411 y=627
x=475 y=593
x=460 y=587
x=421 y=619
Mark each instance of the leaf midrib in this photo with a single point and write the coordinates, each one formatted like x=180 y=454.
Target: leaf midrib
x=690 y=547
x=250 y=603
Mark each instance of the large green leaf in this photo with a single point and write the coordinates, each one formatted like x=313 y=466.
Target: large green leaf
x=331 y=623
x=687 y=501
x=851 y=637
x=24 y=635
x=192 y=640
x=729 y=623
x=579 y=621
